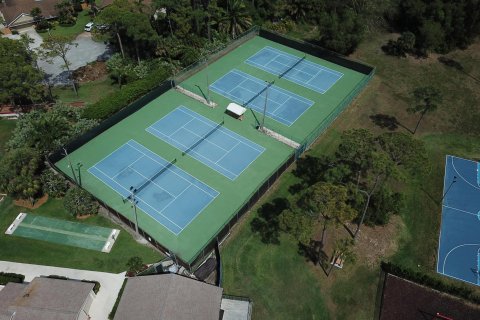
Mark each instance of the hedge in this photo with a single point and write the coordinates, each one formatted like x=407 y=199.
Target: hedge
x=6 y=277
x=431 y=282
x=111 y=315
x=114 y=102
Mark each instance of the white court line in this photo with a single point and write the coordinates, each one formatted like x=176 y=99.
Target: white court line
x=461 y=176
x=455 y=248
x=206 y=140
x=127 y=167
x=178 y=174
x=143 y=201
x=183 y=126
x=201 y=156
x=225 y=154
x=473 y=214
x=224 y=130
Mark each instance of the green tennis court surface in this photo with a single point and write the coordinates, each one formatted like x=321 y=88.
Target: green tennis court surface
x=65 y=232
x=207 y=152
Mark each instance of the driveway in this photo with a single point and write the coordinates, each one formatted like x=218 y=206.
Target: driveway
x=85 y=52
x=110 y=283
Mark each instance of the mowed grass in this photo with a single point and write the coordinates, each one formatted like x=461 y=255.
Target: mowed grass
x=89 y=92
x=280 y=282
x=70 y=31
x=24 y=250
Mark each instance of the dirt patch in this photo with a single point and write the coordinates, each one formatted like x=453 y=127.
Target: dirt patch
x=91 y=72
x=28 y=204
x=83 y=216
x=375 y=243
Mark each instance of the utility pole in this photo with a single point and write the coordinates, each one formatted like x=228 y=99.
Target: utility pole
x=70 y=165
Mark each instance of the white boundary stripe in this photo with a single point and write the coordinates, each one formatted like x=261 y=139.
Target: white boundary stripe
x=207 y=161
x=11 y=229
x=272 y=115
x=212 y=197
x=295 y=80
x=461 y=176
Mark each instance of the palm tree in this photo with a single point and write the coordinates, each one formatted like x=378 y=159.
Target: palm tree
x=427 y=100
x=236 y=19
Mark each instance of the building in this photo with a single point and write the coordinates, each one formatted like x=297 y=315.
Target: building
x=46 y=299
x=175 y=297
x=16 y=13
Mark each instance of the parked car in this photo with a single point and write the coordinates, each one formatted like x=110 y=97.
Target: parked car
x=103 y=27
x=88 y=27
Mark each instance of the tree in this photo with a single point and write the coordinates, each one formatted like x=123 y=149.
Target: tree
x=120 y=69
x=330 y=202
x=135 y=265
x=296 y=223
x=236 y=19
x=66 y=12
x=36 y=13
x=46 y=131
x=20 y=81
x=19 y=174
x=54 y=184
x=402 y=46
x=427 y=100
x=58 y=46
x=79 y=202
x=404 y=151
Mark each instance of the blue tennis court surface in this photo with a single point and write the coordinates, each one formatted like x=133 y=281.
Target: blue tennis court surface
x=304 y=73
x=459 y=248
x=282 y=105
x=210 y=143
x=165 y=192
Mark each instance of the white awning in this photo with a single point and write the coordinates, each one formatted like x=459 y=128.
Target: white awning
x=236 y=109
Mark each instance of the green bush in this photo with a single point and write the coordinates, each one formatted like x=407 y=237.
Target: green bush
x=6 y=277
x=111 y=315
x=431 y=282
x=113 y=103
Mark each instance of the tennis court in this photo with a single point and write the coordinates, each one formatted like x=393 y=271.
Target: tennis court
x=165 y=192
x=64 y=232
x=295 y=69
x=282 y=105
x=210 y=143
x=459 y=247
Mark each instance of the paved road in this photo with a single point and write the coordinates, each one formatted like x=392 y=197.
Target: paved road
x=86 y=51
x=110 y=283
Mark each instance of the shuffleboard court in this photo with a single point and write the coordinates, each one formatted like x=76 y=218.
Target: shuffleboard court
x=165 y=192
x=459 y=248
x=210 y=143
x=65 y=232
x=296 y=69
x=282 y=105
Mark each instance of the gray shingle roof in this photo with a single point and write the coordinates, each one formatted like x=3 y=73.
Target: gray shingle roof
x=169 y=297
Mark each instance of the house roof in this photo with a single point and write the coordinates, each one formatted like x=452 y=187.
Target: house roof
x=168 y=297
x=44 y=299
x=13 y=9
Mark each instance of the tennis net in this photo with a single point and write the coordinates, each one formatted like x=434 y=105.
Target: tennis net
x=203 y=138
x=293 y=66
x=150 y=180
x=259 y=93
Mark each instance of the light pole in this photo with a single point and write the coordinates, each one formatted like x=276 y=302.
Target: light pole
x=134 y=206
x=265 y=105
x=448 y=189
x=79 y=165
x=70 y=164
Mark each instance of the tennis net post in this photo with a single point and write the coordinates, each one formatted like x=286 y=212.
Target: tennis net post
x=203 y=138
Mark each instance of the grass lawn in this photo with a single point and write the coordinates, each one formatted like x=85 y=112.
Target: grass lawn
x=280 y=282
x=72 y=31
x=25 y=250
x=6 y=128
x=89 y=92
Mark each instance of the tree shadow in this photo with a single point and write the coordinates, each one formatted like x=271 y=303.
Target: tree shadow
x=449 y=62
x=436 y=200
x=314 y=253
x=266 y=224
x=388 y=122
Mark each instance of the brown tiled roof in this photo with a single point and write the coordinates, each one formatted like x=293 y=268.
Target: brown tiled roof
x=45 y=299
x=169 y=297
x=12 y=9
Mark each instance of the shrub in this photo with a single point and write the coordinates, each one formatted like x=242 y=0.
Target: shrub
x=54 y=184
x=79 y=202
x=129 y=93
x=6 y=277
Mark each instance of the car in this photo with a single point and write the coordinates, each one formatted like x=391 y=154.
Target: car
x=88 y=27
x=103 y=27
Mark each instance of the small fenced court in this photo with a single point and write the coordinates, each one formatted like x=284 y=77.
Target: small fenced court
x=182 y=170
x=68 y=233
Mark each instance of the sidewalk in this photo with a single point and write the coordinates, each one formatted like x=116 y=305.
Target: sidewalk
x=103 y=302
